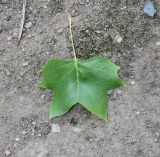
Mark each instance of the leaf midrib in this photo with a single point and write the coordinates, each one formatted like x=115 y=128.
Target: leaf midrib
x=77 y=75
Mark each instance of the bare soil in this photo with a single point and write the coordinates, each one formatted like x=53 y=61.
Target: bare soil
x=133 y=127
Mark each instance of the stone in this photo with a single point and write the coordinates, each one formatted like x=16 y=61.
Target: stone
x=149 y=9
x=43 y=96
x=34 y=123
x=24 y=132
x=59 y=31
x=29 y=36
x=7 y=152
x=132 y=82
x=17 y=139
x=76 y=130
x=14 y=35
x=9 y=38
x=28 y=25
x=25 y=64
x=137 y=112
x=74 y=13
x=158 y=43
x=39 y=135
x=119 y=39
x=7 y=72
x=55 y=128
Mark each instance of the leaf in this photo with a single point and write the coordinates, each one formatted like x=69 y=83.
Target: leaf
x=80 y=81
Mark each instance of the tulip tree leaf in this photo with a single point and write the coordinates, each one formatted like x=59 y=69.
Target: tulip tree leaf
x=80 y=81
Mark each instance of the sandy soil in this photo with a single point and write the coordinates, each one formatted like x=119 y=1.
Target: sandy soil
x=133 y=127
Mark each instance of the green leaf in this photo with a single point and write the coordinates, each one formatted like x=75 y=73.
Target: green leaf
x=80 y=81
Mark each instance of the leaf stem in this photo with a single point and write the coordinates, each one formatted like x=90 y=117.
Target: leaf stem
x=71 y=38
x=74 y=54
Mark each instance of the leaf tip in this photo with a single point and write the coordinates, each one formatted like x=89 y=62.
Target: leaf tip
x=51 y=115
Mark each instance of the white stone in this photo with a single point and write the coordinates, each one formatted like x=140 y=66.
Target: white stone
x=28 y=25
x=17 y=139
x=7 y=152
x=9 y=38
x=24 y=132
x=43 y=96
x=34 y=123
x=158 y=43
x=76 y=130
x=39 y=135
x=55 y=128
x=137 y=112
x=25 y=64
x=7 y=72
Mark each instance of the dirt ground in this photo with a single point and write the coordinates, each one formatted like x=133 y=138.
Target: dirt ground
x=133 y=127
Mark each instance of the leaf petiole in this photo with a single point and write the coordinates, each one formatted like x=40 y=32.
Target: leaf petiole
x=74 y=54
x=71 y=38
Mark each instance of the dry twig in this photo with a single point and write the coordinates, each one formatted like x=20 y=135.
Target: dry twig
x=23 y=19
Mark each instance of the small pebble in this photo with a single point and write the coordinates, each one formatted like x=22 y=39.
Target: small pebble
x=7 y=72
x=59 y=31
x=45 y=6
x=39 y=135
x=17 y=139
x=119 y=91
x=137 y=112
x=115 y=95
x=9 y=38
x=24 y=132
x=87 y=31
x=14 y=35
x=87 y=1
x=149 y=9
x=55 y=128
x=158 y=43
x=98 y=31
x=119 y=39
x=7 y=152
x=28 y=25
x=21 y=73
x=43 y=96
x=124 y=8
x=34 y=123
x=76 y=130
x=132 y=82
x=81 y=3
x=25 y=64
x=29 y=36
x=74 y=13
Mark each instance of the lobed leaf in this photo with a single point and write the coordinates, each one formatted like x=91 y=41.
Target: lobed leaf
x=80 y=81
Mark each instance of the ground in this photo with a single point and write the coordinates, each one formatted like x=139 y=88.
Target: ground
x=133 y=126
